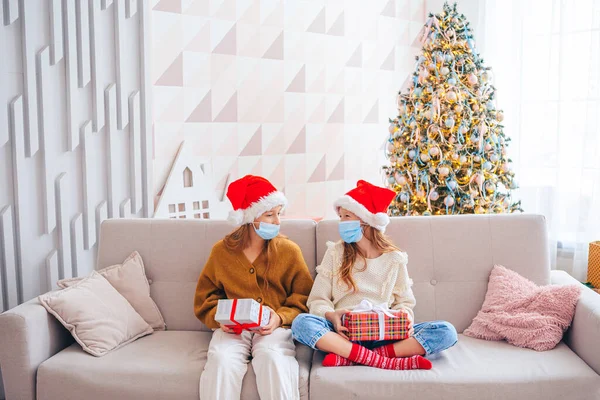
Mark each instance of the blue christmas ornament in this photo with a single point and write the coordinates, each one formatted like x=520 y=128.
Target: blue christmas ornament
x=490 y=105
x=426 y=213
x=487 y=165
x=449 y=123
x=391 y=179
x=451 y=81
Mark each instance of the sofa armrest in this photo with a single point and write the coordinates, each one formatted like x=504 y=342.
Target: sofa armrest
x=28 y=336
x=582 y=336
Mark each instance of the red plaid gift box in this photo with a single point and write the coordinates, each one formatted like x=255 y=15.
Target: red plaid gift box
x=366 y=325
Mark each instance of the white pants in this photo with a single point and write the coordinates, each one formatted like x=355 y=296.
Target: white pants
x=273 y=360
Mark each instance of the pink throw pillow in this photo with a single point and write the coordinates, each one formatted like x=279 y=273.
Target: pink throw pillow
x=523 y=313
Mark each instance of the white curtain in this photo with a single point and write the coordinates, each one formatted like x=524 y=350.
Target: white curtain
x=545 y=55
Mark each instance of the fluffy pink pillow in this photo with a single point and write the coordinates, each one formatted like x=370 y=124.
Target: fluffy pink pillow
x=522 y=313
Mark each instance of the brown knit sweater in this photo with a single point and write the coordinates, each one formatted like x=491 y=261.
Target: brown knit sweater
x=230 y=275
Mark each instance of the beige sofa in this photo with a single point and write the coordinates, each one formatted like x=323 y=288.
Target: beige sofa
x=449 y=260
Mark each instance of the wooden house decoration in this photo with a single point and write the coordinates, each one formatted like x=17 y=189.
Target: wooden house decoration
x=189 y=191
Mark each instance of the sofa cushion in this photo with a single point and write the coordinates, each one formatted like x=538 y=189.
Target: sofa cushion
x=473 y=369
x=129 y=278
x=522 y=313
x=164 y=365
x=99 y=318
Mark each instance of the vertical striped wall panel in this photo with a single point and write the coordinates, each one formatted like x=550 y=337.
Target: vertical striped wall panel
x=74 y=134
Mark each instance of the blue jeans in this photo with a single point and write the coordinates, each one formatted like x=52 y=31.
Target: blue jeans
x=434 y=336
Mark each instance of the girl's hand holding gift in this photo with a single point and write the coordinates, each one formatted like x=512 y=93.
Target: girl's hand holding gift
x=274 y=323
x=335 y=317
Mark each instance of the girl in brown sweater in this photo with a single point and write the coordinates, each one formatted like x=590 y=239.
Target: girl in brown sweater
x=253 y=261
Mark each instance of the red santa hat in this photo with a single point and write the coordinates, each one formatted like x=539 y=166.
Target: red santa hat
x=369 y=203
x=252 y=196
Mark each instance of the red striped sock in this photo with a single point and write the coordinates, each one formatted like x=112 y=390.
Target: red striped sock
x=364 y=356
x=333 y=360
x=386 y=351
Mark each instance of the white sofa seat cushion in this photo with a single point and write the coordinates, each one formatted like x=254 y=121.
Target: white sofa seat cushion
x=164 y=365
x=473 y=369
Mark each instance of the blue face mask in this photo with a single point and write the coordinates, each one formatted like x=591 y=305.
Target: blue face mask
x=350 y=231
x=267 y=231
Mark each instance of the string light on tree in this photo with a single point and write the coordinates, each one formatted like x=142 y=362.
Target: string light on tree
x=447 y=148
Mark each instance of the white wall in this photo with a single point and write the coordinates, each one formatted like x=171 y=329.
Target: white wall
x=74 y=138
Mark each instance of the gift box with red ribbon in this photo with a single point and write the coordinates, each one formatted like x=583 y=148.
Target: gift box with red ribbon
x=370 y=322
x=242 y=314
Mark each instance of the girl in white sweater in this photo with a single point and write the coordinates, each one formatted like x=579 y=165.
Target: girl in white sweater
x=366 y=265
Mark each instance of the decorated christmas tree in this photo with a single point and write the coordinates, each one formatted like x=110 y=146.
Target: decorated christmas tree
x=447 y=148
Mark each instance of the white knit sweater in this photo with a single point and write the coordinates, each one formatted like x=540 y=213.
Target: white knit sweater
x=385 y=280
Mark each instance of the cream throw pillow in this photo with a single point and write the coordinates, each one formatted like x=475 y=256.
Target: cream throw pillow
x=98 y=317
x=130 y=280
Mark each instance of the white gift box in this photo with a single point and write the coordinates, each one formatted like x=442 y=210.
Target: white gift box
x=245 y=311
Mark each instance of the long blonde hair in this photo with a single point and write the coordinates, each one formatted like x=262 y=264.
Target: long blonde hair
x=352 y=252
x=239 y=239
